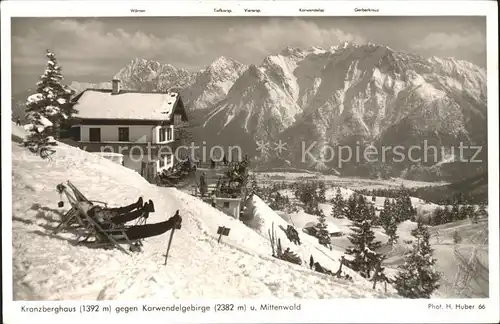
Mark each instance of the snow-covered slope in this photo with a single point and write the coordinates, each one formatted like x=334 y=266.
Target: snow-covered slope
x=309 y=245
x=50 y=267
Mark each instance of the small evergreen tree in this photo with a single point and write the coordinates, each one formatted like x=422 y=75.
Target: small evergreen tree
x=322 y=230
x=48 y=107
x=464 y=213
x=455 y=211
x=310 y=199
x=321 y=192
x=392 y=231
x=254 y=186
x=417 y=277
x=277 y=201
x=338 y=204
x=351 y=207
x=363 y=249
x=437 y=216
x=404 y=209
x=447 y=216
x=373 y=215
x=386 y=214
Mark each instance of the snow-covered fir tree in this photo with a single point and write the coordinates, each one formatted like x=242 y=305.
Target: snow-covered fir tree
x=389 y=222
x=386 y=214
x=308 y=195
x=364 y=257
x=437 y=217
x=277 y=201
x=465 y=212
x=404 y=209
x=455 y=211
x=376 y=221
x=351 y=207
x=322 y=230
x=49 y=107
x=392 y=231
x=447 y=216
x=338 y=204
x=321 y=192
x=417 y=277
x=254 y=186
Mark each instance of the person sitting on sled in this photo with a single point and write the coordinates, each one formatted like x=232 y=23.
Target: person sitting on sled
x=138 y=232
x=122 y=215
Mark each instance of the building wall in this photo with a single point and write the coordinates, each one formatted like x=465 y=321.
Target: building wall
x=132 y=162
x=135 y=163
x=233 y=209
x=168 y=162
x=137 y=133
x=109 y=133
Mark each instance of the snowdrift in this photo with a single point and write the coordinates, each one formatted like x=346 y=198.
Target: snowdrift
x=51 y=267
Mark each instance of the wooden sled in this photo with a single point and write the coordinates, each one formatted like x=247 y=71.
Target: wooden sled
x=72 y=216
x=107 y=238
x=103 y=238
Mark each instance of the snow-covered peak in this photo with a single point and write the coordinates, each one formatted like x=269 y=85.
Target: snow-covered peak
x=148 y=75
x=293 y=52
x=316 y=50
x=224 y=61
x=213 y=83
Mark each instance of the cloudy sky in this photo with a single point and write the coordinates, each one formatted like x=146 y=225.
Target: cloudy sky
x=94 y=49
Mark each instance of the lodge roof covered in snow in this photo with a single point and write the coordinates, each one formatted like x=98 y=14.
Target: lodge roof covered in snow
x=128 y=105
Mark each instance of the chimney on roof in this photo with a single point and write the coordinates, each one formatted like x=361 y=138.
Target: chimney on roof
x=116 y=86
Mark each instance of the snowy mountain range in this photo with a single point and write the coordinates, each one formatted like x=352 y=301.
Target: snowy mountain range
x=338 y=96
x=200 y=90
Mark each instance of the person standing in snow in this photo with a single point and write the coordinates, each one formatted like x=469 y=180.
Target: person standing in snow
x=311 y=262
x=202 y=185
x=213 y=199
x=18 y=121
x=318 y=268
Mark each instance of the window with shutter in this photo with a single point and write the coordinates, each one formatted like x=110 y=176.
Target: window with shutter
x=169 y=134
